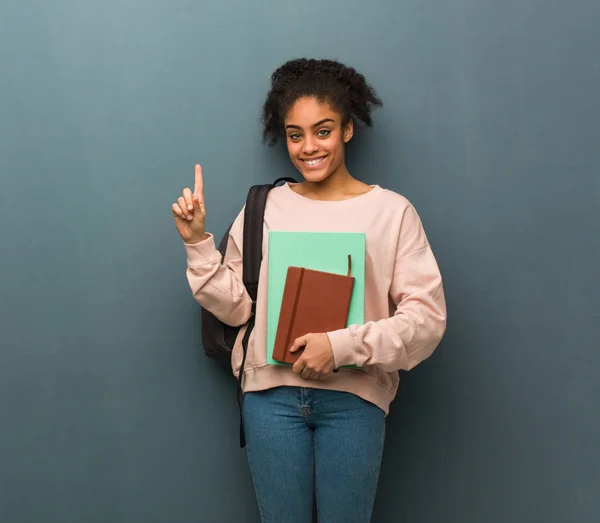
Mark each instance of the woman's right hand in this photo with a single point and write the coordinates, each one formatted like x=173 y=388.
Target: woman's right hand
x=189 y=212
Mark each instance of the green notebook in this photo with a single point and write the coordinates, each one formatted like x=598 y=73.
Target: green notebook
x=321 y=251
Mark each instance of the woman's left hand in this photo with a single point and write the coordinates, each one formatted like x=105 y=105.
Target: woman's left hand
x=317 y=359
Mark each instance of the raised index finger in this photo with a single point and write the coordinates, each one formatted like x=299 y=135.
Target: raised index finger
x=198 y=183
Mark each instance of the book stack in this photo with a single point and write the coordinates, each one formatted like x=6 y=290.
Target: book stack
x=315 y=285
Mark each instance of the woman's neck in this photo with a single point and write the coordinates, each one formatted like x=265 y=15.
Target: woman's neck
x=340 y=185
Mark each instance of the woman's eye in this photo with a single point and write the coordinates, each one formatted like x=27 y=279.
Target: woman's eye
x=323 y=132
x=294 y=136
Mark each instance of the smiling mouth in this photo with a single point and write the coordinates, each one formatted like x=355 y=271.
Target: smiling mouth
x=314 y=162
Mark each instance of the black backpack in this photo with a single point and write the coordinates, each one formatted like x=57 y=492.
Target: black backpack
x=218 y=338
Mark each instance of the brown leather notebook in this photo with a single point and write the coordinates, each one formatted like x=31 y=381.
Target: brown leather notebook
x=313 y=302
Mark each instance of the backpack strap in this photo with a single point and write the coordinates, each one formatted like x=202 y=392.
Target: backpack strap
x=254 y=212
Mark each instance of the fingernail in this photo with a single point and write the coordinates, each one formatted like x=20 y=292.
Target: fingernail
x=190 y=207
x=189 y=218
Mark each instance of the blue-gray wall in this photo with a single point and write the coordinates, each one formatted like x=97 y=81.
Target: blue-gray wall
x=109 y=411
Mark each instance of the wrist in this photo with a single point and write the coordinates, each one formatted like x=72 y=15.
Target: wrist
x=197 y=239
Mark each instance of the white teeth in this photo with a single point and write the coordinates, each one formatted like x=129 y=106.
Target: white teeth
x=312 y=163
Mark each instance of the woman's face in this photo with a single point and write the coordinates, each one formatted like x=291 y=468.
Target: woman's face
x=315 y=139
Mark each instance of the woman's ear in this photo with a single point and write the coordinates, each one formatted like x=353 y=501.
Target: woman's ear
x=348 y=131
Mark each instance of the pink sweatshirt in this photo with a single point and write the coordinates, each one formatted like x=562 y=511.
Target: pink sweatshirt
x=405 y=309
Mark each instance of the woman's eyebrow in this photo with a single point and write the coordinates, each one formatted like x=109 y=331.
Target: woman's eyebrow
x=321 y=122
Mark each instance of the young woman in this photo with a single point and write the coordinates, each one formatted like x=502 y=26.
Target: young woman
x=316 y=426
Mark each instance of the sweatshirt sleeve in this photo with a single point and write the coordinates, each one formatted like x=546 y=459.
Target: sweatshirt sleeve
x=415 y=329
x=216 y=283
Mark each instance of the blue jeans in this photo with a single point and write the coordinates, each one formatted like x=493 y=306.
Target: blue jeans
x=302 y=441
